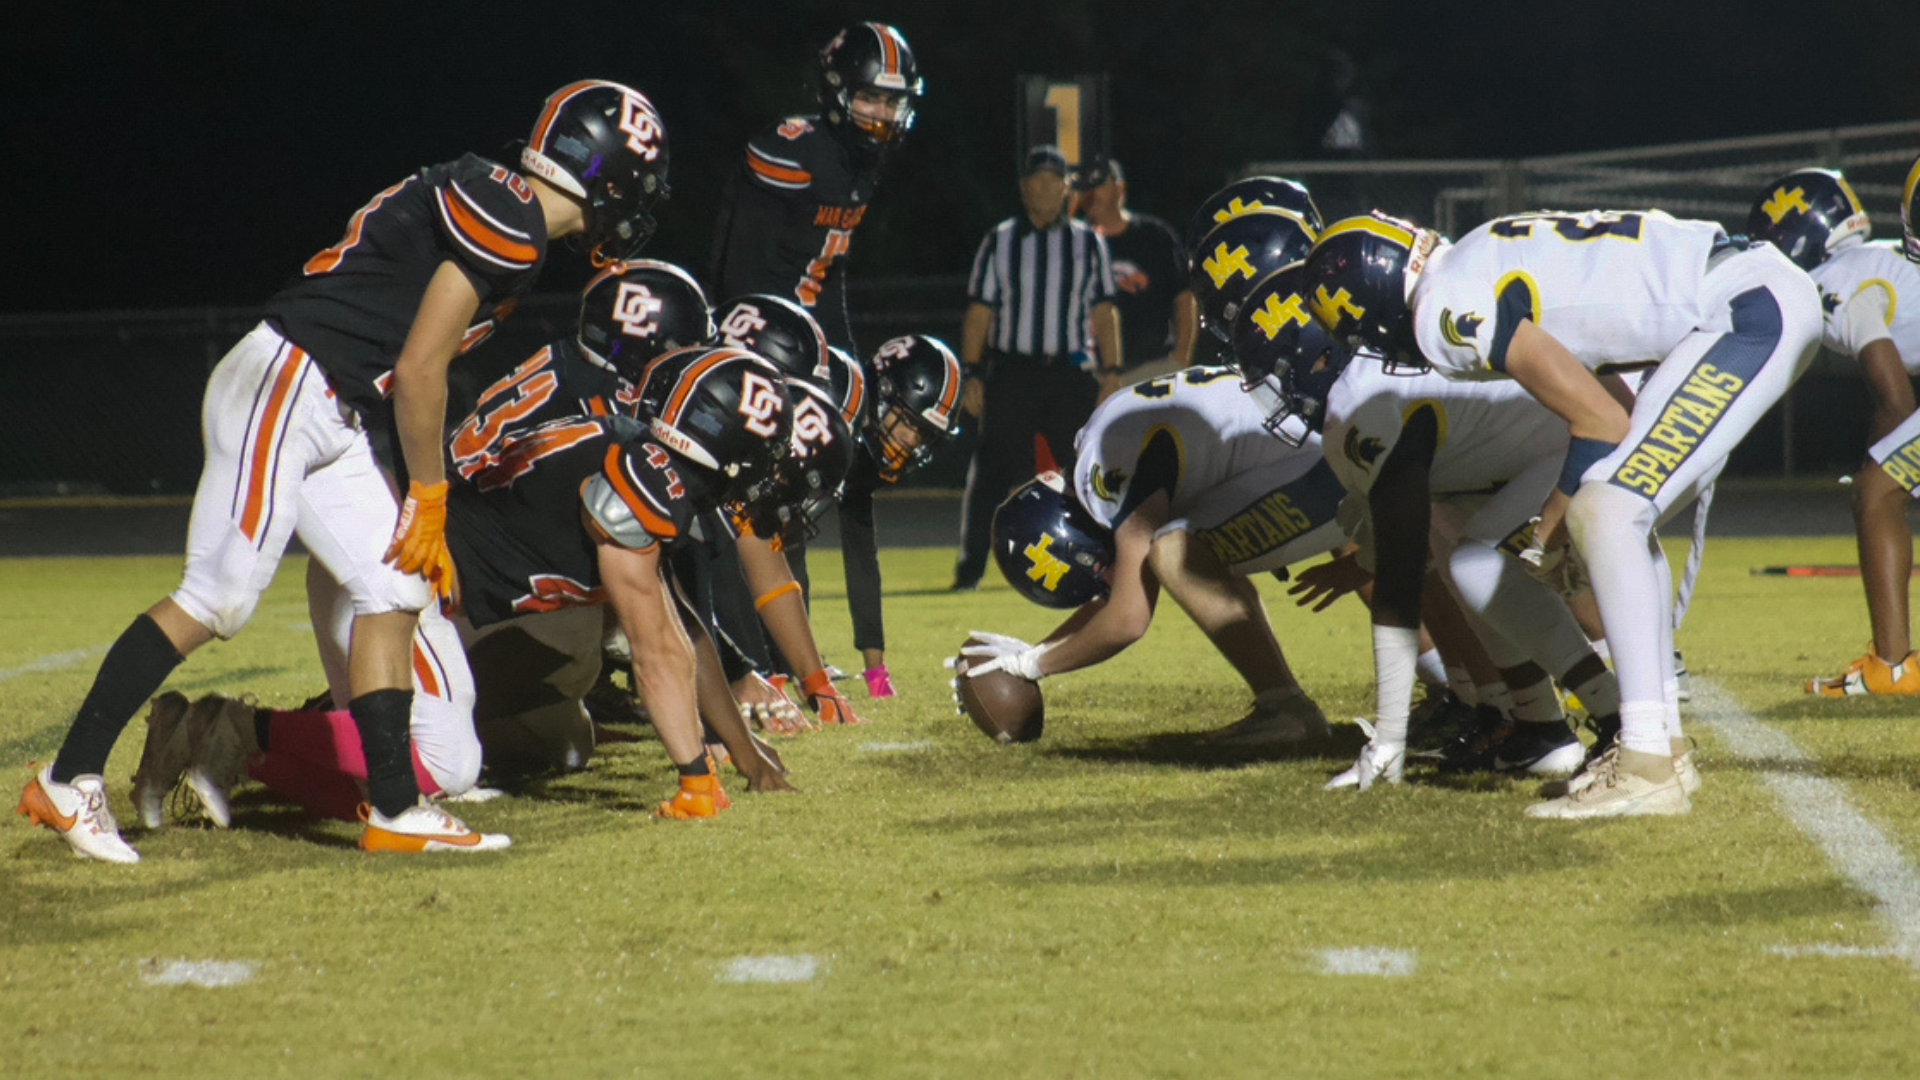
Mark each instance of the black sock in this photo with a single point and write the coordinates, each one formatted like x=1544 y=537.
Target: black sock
x=262 y=727
x=382 y=718
x=133 y=670
x=696 y=767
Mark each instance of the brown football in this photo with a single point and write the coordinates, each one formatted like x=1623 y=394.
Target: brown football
x=1008 y=708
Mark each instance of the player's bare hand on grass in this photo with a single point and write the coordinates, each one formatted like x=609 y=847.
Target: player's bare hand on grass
x=767 y=708
x=1319 y=586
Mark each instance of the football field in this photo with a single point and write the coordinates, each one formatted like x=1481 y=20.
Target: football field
x=1111 y=901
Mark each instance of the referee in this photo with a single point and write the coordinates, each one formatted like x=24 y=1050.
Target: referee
x=1039 y=281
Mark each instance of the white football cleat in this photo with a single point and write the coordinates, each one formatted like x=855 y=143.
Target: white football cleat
x=168 y=749
x=1378 y=764
x=1613 y=791
x=421 y=828
x=79 y=813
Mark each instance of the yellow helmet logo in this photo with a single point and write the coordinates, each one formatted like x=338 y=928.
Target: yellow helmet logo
x=1783 y=200
x=1234 y=209
x=1224 y=264
x=1331 y=309
x=1276 y=315
x=1048 y=568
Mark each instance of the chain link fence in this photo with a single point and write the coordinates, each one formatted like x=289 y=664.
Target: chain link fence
x=1822 y=425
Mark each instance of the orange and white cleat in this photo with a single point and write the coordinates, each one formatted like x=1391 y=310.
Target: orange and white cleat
x=79 y=813
x=699 y=797
x=422 y=828
x=1869 y=676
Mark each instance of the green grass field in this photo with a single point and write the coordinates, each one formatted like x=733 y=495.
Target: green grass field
x=1108 y=902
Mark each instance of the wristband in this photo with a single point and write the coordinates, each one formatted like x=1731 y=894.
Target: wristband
x=1396 y=655
x=1581 y=456
x=768 y=597
x=818 y=684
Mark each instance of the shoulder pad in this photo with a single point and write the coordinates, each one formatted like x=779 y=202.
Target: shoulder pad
x=612 y=514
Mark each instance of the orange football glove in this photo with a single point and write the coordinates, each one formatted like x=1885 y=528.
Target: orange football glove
x=827 y=702
x=420 y=539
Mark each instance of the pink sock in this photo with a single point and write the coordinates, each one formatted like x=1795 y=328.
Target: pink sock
x=316 y=760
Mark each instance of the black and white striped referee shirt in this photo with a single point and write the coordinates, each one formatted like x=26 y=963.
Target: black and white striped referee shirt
x=1042 y=284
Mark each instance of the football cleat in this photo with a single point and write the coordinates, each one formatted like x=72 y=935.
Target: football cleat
x=164 y=758
x=79 y=813
x=699 y=797
x=1378 y=764
x=879 y=682
x=1545 y=749
x=222 y=738
x=1688 y=772
x=1613 y=791
x=1871 y=675
x=1295 y=720
x=1438 y=720
x=421 y=828
x=1474 y=751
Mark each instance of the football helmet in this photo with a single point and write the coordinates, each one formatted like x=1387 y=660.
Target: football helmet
x=779 y=330
x=1358 y=279
x=1808 y=214
x=810 y=477
x=868 y=56
x=1049 y=548
x=725 y=410
x=1910 y=211
x=1237 y=253
x=605 y=145
x=916 y=391
x=1253 y=193
x=632 y=312
x=847 y=386
x=1287 y=363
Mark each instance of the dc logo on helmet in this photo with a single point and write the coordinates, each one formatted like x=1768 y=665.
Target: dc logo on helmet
x=743 y=322
x=636 y=309
x=642 y=125
x=810 y=426
x=760 y=403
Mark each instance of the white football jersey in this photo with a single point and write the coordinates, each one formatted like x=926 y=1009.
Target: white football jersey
x=1489 y=431
x=1618 y=289
x=1248 y=495
x=1867 y=269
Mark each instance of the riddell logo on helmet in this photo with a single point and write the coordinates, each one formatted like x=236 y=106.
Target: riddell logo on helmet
x=635 y=309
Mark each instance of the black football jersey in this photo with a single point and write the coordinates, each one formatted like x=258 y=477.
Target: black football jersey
x=1149 y=270
x=787 y=219
x=352 y=305
x=516 y=529
x=557 y=383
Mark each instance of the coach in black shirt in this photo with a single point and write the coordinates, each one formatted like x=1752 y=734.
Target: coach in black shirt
x=1158 y=314
x=1039 y=282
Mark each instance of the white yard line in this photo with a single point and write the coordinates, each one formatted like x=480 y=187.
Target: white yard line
x=896 y=747
x=54 y=662
x=1380 y=963
x=769 y=969
x=1857 y=848
x=209 y=973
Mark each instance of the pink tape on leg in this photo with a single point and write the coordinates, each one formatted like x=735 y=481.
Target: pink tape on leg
x=424 y=776
x=320 y=792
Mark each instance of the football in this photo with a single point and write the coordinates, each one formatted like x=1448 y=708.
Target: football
x=1008 y=708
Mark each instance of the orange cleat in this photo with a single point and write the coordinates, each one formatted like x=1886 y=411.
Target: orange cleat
x=422 y=828
x=1871 y=675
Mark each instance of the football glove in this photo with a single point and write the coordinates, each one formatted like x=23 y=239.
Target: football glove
x=420 y=539
x=826 y=700
x=986 y=652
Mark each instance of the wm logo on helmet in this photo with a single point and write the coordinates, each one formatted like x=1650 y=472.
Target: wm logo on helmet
x=634 y=309
x=1330 y=310
x=1048 y=568
x=1783 y=200
x=1276 y=314
x=1222 y=265
x=1234 y=209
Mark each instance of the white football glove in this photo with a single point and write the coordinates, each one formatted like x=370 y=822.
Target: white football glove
x=998 y=652
x=1378 y=764
x=1562 y=569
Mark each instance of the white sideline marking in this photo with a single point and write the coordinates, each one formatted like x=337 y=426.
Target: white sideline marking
x=769 y=969
x=197 y=972
x=1855 y=846
x=52 y=663
x=896 y=747
x=1384 y=963
x=1830 y=951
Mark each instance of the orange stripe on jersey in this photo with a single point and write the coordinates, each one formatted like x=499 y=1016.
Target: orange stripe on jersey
x=423 y=671
x=260 y=454
x=560 y=97
x=660 y=527
x=777 y=172
x=482 y=233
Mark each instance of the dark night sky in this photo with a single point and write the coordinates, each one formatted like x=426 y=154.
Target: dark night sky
x=196 y=153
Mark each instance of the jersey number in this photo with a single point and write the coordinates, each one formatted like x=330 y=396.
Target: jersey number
x=520 y=454
x=839 y=242
x=1570 y=228
x=1154 y=389
x=330 y=258
x=475 y=446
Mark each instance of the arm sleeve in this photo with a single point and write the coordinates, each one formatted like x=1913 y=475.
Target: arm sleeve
x=487 y=230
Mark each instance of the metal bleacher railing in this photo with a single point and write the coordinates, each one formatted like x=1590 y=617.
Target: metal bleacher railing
x=1820 y=426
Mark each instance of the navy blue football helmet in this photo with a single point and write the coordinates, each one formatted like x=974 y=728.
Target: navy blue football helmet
x=1910 y=211
x=1807 y=214
x=775 y=328
x=1252 y=193
x=1051 y=550
x=1236 y=254
x=1357 y=282
x=634 y=311
x=1287 y=363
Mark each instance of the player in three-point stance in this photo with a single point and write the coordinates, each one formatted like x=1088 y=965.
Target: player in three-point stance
x=1555 y=302
x=1871 y=297
x=339 y=394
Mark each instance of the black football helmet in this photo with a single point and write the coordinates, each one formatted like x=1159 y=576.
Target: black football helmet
x=725 y=410
x=632 y=312
x=847 y=386
x=811 y=476
x=1287 y=363
x=1358 y=279
x=916 y=389
x=1910 y=211
x=1049 y=548
x=775 y=328
x=1253 y=193
x=1239 y=252
x=868 y=56
x=1807 y=214
x=605 y=145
